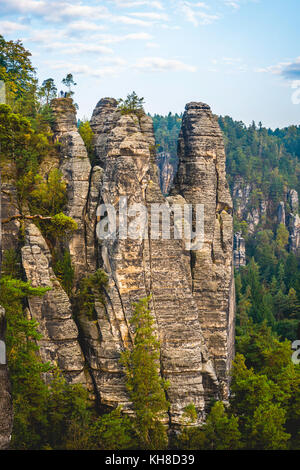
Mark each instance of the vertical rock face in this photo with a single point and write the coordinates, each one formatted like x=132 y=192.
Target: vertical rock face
x=239 y=250
x=192 y=292
x=59 y=344
x=138 y=267
x=201 y=179
x=166 y=170
x=6 y=411
x=75 y=167
x=281 y=213
x=293 y=200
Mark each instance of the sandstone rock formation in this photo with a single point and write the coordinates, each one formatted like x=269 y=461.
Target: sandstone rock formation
x=6 y=410
x=239 y=250
x=197 y=369
x=192 y=291
x=75 y=167
x=59 y=344
x=201 y=179
x=281 y=213
x=167 y=170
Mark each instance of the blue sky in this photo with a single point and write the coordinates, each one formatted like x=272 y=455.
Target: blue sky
x=239 y=56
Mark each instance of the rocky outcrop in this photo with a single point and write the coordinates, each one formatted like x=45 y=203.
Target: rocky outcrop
x=201 y=179
x=6 y=410
x=239 y=250
x=281 y=213
x=192 y=290
x=167 y=170
x=243 y=206
x=75 y=167
x=196 y=367
x=59 y=343
x=293 y=200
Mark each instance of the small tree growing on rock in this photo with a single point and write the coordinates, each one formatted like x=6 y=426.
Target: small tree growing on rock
x=132 y=105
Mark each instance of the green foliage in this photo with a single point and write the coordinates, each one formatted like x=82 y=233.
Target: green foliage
x=221 y=431
x=61 y=225
x=64 y=271
x=16 y=69
x=113 y=431
x=48 y=196
x=68 y=81
x=145 y=386
x=282 y=236
x=132 y=105
x=11 y=263
x=87 y=136
x=166 y=129
x=91 y=289
x=47 y=91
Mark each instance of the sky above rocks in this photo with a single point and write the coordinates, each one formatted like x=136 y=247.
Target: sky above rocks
x=239 y=56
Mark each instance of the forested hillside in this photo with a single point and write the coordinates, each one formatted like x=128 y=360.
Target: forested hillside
x=264 y=408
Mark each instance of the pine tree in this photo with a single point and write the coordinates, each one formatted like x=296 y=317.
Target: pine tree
x=145 y=386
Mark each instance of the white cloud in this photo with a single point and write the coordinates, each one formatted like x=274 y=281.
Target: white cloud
x=130 y=21
x=159 y=64
x=194 y=14
x=83 y=69
x=8 y=27
x=114 y=39
x=135 y=3
x=151 y=16
x=83 y=26
x=54 y=10
x=276 y=69
x=76 y=48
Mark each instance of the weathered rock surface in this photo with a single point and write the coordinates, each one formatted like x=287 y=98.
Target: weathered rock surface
x=192 y=291
x=136 y=268
x=239 y=250
x=167 y=170
x=281 y=213
x=6 y=409
x=293 y=200
x=59 y=344
x=75 y=167
x=201 y=179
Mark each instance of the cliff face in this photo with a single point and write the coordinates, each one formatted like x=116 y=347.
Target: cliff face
x=286 y=213
x=192 y=291
x=193 y=311
x=201 y=179
x=6 y=410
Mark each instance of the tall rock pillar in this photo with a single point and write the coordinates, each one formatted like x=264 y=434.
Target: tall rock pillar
x=201 y=179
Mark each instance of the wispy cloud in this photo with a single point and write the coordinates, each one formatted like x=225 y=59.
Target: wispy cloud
x=292 y=70
x=284 y=68
x=159 y=64
x=8 y=27
x=137 y=3
x=114 y=39
x=194 y=13
x=53 y=10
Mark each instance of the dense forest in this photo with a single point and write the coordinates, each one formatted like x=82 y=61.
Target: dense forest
x=264 y=407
